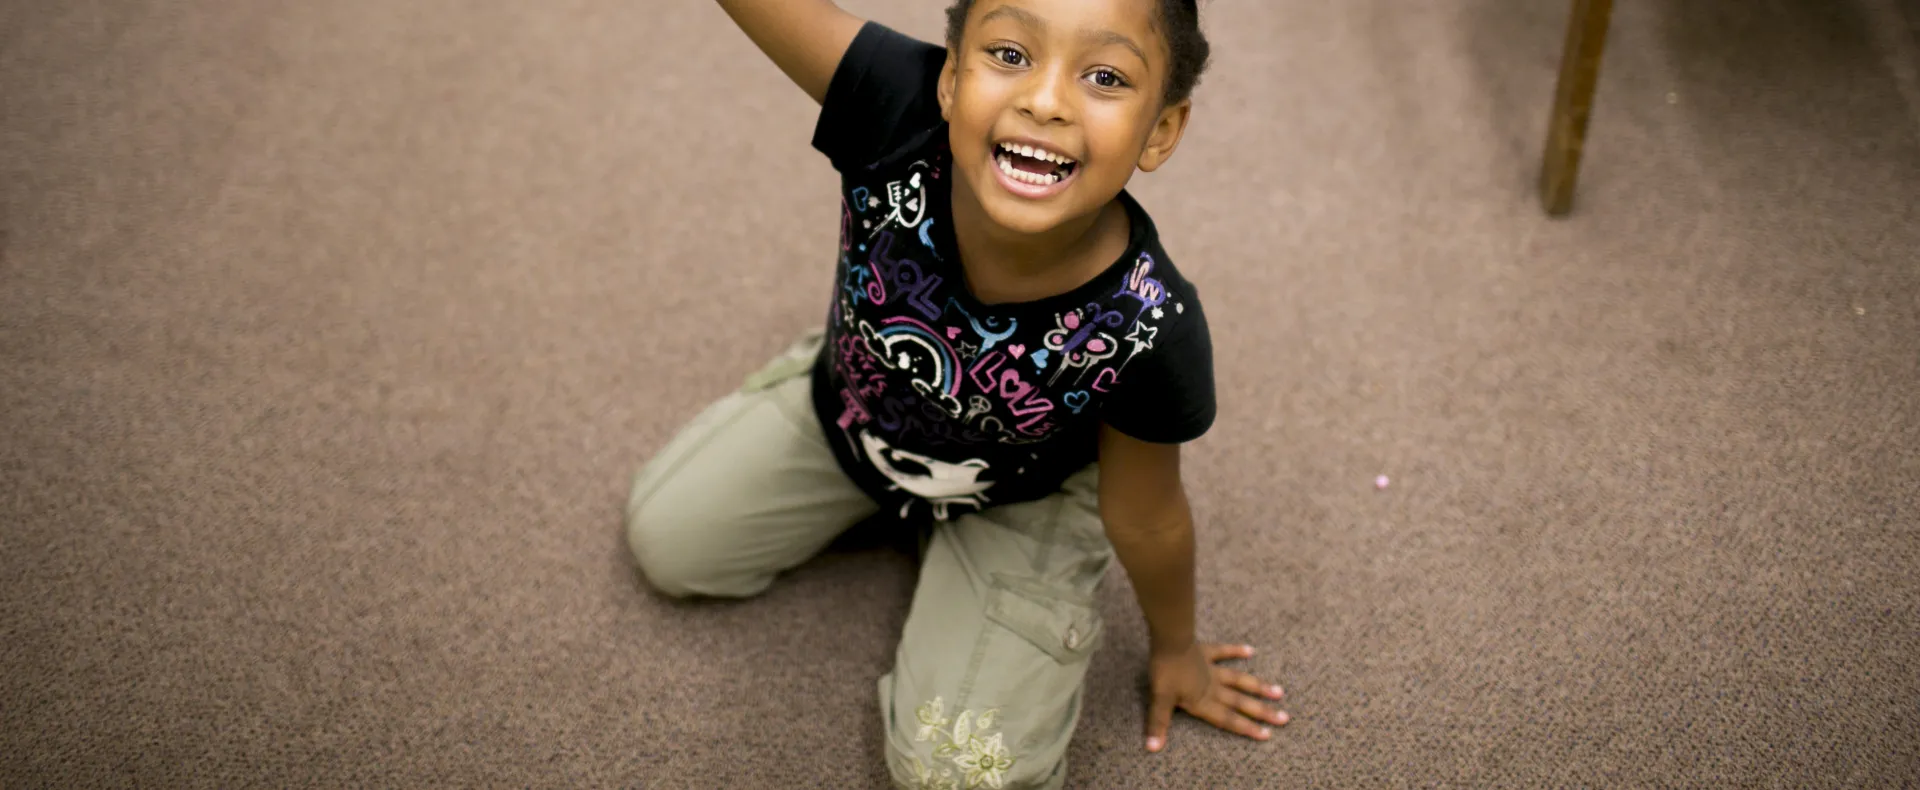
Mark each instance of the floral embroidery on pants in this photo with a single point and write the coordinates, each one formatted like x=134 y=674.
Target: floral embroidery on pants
x=977 y=758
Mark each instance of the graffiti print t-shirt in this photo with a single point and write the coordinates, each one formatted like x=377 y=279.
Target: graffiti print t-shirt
x=935 y=403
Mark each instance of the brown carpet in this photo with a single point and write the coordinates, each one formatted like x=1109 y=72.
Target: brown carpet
x=330 y=333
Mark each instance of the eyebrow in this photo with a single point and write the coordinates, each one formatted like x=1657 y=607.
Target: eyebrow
x=1109 y=37
x=1021 y=15
x=1098 y=37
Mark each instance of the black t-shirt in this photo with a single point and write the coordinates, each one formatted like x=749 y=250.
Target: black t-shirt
x=936 y=403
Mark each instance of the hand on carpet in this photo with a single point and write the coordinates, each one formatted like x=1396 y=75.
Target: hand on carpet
x=1222 y=696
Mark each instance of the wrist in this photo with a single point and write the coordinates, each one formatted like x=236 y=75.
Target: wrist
x=1162 y=647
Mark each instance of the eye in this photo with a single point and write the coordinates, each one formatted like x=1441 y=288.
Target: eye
x=1108 y=78
x=1007 y=55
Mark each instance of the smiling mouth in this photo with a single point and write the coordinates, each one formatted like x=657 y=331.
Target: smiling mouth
x=1035 y=166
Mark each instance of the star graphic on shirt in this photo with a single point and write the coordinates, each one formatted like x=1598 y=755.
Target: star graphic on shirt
x=1159 y=314
x=873 y=202
x=1142 y=337
x=969 y=350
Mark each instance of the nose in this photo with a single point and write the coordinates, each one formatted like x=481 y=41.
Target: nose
x=1047 y=96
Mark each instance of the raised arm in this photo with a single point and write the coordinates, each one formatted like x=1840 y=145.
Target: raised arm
x=805 y=38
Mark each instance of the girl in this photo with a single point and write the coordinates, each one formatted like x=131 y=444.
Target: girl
x=1009 y=361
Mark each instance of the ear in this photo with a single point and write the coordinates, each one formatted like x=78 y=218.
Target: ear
x=1165 y=135
x=949 y=75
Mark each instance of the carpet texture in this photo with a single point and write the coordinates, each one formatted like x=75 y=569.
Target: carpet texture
x=332 y=331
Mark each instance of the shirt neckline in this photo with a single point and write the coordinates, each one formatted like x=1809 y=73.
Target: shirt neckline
x=1139 y=230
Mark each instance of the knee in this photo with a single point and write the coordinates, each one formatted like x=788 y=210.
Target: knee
x=674 y=552
x=660 y=554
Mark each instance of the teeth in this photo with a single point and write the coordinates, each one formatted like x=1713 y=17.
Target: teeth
x=1006 y=166
x=1035 y=153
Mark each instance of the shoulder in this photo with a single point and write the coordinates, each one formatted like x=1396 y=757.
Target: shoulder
x=882 y=95
x=1171 y=313
x=1170 y=301
x=1163 y=389
x=880 y=53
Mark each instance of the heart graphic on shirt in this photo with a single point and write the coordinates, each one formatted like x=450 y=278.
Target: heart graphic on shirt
x=1017 y=349
x=1014 y=391
x=1040 y=359
x=1077 y=400
x=953 y=332
x=1105 y=379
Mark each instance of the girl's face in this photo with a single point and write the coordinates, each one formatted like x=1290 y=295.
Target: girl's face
x=1052 y=104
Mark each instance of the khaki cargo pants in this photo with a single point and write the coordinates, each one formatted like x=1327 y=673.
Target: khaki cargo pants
x=986 y=684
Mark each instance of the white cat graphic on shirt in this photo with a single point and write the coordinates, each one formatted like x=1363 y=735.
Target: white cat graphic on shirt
x=944 y=483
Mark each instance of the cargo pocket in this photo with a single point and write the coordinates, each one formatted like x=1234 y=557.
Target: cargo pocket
x=1038 y=640
x=1059 y=623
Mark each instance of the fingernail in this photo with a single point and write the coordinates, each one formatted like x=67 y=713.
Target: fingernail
x=1281 y=718
x=1265 y=733
x=1275 y=691
x=1153 y=744
x=1248 y=648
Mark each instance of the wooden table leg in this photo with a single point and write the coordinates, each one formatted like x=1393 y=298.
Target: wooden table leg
x=1573 y=102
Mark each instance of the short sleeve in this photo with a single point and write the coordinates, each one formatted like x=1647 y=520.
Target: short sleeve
x=881 y=95
x=1166 y=396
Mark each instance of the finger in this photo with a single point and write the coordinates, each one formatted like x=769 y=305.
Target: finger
x=1217 y=653
x=1224 y=716
x=1159 y=717
x=1247 y=683
x=1252 y=708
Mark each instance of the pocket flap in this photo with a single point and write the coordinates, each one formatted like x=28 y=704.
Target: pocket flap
x=1061 y=626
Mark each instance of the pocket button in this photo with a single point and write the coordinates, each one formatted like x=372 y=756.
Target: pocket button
x=1073 y=639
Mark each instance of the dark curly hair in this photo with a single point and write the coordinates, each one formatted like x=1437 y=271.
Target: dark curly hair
x=1179 y=23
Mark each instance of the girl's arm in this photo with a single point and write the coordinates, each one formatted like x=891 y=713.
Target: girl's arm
x=1144 y=506
x=805 y=38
